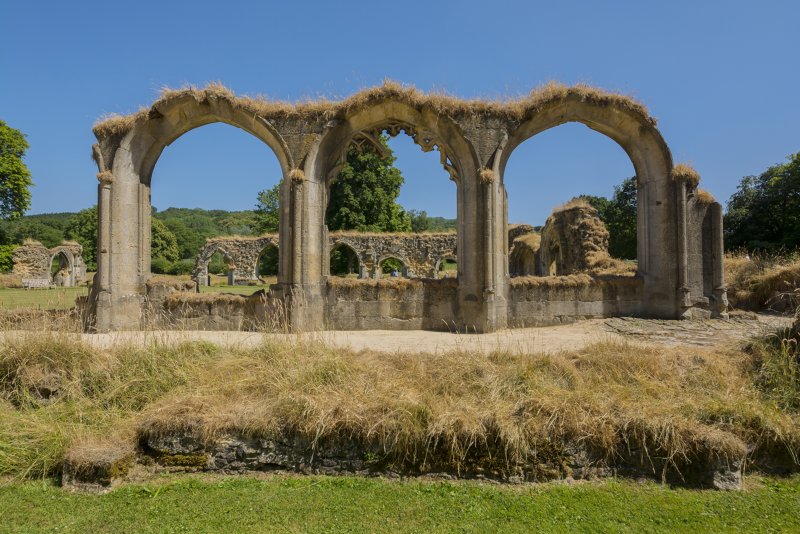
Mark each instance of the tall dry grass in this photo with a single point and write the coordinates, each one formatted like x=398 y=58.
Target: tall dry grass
x=761 y=281
x=422 y=410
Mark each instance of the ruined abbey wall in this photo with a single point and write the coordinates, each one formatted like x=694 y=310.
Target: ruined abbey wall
x=33 y=262
x=678 y=269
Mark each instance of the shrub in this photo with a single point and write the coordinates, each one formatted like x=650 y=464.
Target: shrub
x=6 y=258
x=181 y=267
x=160 y=265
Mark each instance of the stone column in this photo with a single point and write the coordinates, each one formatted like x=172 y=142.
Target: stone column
x=684 y=298
x=719 y=306
x=100 y=305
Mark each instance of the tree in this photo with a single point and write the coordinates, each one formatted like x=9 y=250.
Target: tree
x=619 y=215
x=267 y=212
x=419 y=221
x=162 y=242
x=764 y=212
x=364 y=196
x=83 y=229
x=7 y=258
x=15 y=178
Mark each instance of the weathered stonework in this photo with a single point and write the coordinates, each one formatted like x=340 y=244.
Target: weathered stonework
x=678 y=266
x=234 y=453
x=240 y=253
x=33 y=261
x=421 y=254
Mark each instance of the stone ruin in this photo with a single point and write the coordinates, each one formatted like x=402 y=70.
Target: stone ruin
x=420 y=254
x=573 y=240
x=33 y=263
x=679 y=231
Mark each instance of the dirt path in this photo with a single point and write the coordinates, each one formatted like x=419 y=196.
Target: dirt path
x=543 y=339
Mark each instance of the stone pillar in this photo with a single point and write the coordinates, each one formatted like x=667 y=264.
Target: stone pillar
x=100 y=294
x=309 y=247
x=719 y=306
x=684 y=297
x=495 y=245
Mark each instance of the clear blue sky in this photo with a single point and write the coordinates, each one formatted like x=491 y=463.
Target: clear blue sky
x=721 y=77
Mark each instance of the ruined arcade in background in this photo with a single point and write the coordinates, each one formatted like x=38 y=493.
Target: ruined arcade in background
x=679 y=237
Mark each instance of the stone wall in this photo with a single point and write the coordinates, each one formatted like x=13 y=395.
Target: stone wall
x=474 y=141
x=543 y=301
x=419 y=253
x=33 y=261
x=392 y=304
x=570 y=237
x=283 y=451
x=240 y=253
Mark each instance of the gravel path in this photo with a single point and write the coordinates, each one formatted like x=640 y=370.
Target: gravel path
x=544 y=339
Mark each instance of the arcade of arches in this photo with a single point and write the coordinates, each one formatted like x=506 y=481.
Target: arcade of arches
x=678 y=273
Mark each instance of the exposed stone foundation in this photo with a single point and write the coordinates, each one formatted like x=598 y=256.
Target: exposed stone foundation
x=236 y=453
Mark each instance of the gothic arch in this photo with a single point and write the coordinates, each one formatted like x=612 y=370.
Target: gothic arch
x=638 y=136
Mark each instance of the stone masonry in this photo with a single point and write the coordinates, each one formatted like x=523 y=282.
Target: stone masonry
x=679 y=239
x=33 y=262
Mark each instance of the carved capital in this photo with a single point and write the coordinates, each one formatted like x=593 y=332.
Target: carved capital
x=105 y=177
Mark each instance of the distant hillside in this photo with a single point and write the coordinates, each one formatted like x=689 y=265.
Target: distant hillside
x=48 y=228
x=192 y=226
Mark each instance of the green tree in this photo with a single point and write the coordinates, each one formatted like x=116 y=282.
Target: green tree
x=364 y=196
x=7 y=258
x=162 y=242
x=83 y=229
x=764 y=212
x=267 y=213
x=619 y=215
x=419 y=221
x=15 y=178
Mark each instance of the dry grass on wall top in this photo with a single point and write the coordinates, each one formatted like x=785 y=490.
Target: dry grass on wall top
x=762 y=281
x=57 y=394
x=685 y=172
x=573 y=204
x=704 y=197
x=512 y=109
x=532 y=240
x=179 y=283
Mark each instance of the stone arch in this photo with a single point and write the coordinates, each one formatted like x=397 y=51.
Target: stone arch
x=203 y=259
x=404 y=272
x=429 y=129
x=264 y=246
x=124 y=206
x=359 y=253
x=651 y=158
x=449 y=256
x=66 y=262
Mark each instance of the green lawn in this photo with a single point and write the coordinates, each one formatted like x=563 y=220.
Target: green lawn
x=42 y=299
x=345 y=504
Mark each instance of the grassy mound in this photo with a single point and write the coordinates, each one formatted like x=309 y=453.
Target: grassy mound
x=59 y=397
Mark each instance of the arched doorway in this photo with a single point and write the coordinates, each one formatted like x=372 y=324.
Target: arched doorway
x=344 y=262
x=392 y=267
x=268 y=264
x=221 y=269
x=61 y=270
